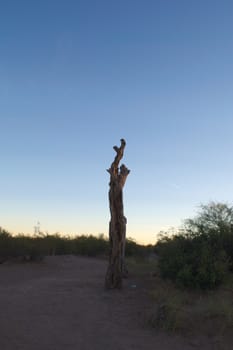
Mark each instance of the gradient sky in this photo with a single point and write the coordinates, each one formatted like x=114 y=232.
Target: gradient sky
x=77 y=76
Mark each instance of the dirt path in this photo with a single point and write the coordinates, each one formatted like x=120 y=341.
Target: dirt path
x=60 y=304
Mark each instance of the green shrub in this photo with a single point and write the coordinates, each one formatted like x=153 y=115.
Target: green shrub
x=26 y=248
x=31 y=248
x=5 y=245
x=200 y=254
x=90 y=245
x=195 y=265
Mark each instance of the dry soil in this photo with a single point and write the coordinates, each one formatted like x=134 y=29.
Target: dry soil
x=61 y=304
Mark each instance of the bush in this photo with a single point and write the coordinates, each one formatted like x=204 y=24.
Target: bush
x=5 y=245
x=20 y=247
x=31 y=248
x=193 y=263
x=90 y=245
x=200 y=254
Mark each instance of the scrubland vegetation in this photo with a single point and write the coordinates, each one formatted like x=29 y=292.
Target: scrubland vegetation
x=192 y=285
x=188 y=272
x=200 y=253
x=35 y=248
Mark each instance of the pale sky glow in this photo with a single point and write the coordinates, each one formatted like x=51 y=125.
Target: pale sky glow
x=77 y=76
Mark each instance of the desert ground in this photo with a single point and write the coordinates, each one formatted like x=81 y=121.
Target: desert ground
x=61 y=304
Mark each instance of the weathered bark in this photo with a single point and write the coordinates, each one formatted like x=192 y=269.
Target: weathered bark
x=117 y=226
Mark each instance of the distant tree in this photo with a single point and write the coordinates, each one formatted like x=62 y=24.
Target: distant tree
x=211 y=217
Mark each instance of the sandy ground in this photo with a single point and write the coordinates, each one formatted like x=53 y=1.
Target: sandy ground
x=61 y=304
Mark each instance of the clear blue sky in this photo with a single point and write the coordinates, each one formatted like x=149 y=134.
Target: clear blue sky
x=77 y=76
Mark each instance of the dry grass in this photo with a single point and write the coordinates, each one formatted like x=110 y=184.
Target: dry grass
x=183 y=311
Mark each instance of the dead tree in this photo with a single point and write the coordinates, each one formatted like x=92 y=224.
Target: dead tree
x=117 y=226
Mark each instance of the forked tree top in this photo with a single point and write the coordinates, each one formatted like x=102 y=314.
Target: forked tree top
x=114 y=170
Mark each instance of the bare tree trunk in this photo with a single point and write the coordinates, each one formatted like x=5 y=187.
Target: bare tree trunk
x=117 y=226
